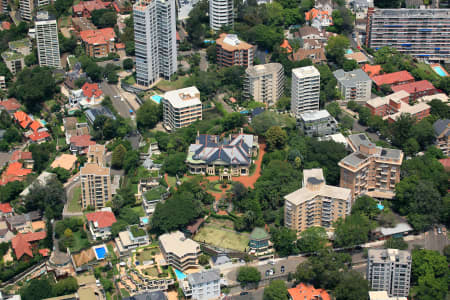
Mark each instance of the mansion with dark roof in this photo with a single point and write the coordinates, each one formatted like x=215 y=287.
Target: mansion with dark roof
x=231 y=156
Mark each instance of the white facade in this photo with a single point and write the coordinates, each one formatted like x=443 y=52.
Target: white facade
x=354 y=85
x=220 y=14
x=204 y=285
x=264 y=83
x=47 y=40
x=26 y=9
x=181 y=107
x=305 y=90
x=155 y=40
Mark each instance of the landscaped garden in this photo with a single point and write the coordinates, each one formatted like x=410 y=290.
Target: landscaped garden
x=146 y=255
x=155 y=193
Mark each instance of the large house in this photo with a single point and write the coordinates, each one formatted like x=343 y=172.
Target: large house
x=25 y=243
x=230 y=156
x=100 y=223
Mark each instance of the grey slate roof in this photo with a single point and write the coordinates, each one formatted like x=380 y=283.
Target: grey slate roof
x=220 y=260
x=203 y=277
x=156 y=295
x=94 y=112
x=440 y=125
x=350 y=79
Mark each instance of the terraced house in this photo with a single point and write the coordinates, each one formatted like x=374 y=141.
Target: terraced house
x=231 y=156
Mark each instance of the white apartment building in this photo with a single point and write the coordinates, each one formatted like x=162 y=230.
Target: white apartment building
x=354 y=85
x=264 y=83
x=47 y=40
x=389 y=270
x=305 y=91
x=203 y=285
x=220 y=14
x=155 y=40
x=95 y=185
x=181 y=108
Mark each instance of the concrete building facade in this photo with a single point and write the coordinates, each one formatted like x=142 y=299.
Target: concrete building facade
x=389 y=270
x=181 y=108
x=370 y=169
x=47 y=40
x=231 y=51
x=95 y=185
x=316 y=203
x=305 y=90
x=178 y=251
x=203 y=285
x=354 y=85
x=317 y=123
x=423 y=33
x=220 y=14
x=264 y=83
x=14 y=61
x=155 y=40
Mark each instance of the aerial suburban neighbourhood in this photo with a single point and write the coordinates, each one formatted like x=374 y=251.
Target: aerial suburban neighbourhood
x=224 y=149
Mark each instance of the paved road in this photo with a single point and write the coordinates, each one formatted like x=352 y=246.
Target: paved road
x=359 y=128
x=113 y=92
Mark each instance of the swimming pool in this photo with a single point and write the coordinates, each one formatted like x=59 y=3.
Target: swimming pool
x=100 y=252
x=145 y=220
x=180 y=275
x=349 y=51
x=380 y=207
x=156 y=98
x=440 y=71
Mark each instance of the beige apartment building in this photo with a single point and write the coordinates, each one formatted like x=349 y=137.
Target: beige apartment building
x=95 y=185
x=96 y=154
x=316 y=203
x=370 y=169
x=264 y=83
x=181 y=108
x=178 y=251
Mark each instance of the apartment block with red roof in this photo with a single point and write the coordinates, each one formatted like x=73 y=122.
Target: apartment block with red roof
x=85 y=8
x=393 y=79
x=23 y=244
x=100 y=223
x=307 y=292
x=417 y=89
x=99 y=42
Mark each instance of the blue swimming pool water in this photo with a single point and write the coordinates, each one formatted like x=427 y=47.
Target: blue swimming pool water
x=380 y=207
x=145 y=220
x=43 y=122
x=349 y=51
x=101 y=252
x=439 y=70
x=156 y=98
x=180 y=275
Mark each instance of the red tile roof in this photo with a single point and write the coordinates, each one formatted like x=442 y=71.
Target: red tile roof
x=82 y=140
x=44 y=252
x=35 y=126
x=18 y=155
x=414 y=87
x=116 y=7
x=316 y=13
x=102 y=218
x=120 y=46
x=89 y=6
x=14 y=172
x=21 y=242
x=11 y=104
x=23 y=119
x=392 y=78
x=308 y=292
x=6 y=25
x=38 y=136
x=446 y=163
x=98 y=36
x=371 y=70
x=5 y=208
x=91 y=90
x=178 y=36
x=287 y=46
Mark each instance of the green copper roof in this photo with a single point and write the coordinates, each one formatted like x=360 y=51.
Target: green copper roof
x=259 y=234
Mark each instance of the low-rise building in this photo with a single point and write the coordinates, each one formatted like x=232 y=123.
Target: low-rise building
x=359 y=57
x=65 y=161
x=204 y=285
x=181 y=107
x=99 y=42
x=264 y=83
x=100 y=223
x=337 y=138
x=318 y=18
x=354 y=85
x=11 y=105
x=73 y=128
x=383 y=295
x=6 y=210
x=416 y=89
x=392 y=79
x=24 y=157
x=231 y=156
x=23 y=244
x=442 y=133
x=42 y=180
x=391 y=107
x=317 y=123
x=259 y=243
x=98 y=110
x=316 y=55
x=131 y=239
x=307 y=292
x=389 y=270
x=231 y=51
x=178 y=251
x=79 y=144
x=316 y=203
x=23 y=46
x=14 y=61
x=85 y=8
x=370 y=169
x=371 y=70
x=398 y=231
x=14 y=172
x=23 y=223
x=6 y=235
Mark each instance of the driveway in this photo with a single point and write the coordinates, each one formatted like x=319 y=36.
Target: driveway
x=119 y=103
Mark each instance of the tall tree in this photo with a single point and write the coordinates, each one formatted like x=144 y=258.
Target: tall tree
x=276 y=291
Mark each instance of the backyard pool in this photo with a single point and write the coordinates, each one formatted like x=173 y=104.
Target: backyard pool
x=144 y=220
x=180 y=275
x=349 y=51
x=440 y=71
x=156 y=98
x=100 y=252
x=380 y=207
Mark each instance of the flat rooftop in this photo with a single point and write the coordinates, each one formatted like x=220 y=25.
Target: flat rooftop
x=305 y=72
x=182 y=98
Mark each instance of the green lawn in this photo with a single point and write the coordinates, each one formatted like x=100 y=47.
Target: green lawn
x=65 y=21
x=139 y=210
x=129 y=80
x=155 y=193
x=152 y=272
x=82 y=118
x=223 y=238
x=172 y=181
x=79 y=242
x=147 y=254
x=111 y=251
x=124 y=293
x=74 y=203
x=165 y=85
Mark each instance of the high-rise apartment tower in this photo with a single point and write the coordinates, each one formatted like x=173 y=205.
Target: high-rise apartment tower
x=47 y=40
x=305 y=91
x=220 y=13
